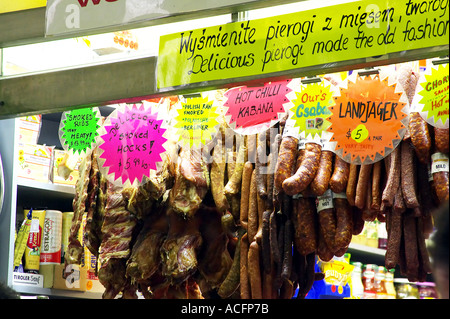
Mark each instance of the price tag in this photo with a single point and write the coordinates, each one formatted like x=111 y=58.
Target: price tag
x=196 y=121
x=78 y=129
x=439 y=163
x=132 y=144
x=325 y=201
x=251 y=110
x=311 y=107
x=431 y=99
x=369 y=118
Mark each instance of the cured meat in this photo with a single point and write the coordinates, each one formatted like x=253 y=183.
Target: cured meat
x=75 y=248
x=145 y=257
x=218 y=177
x=117 y=234
x=179 y=250
x=191 y=183
x=306 y=172
x=94 y=220
x=214 y=259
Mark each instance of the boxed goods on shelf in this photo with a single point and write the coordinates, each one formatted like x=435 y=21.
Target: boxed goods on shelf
x=35 y=162
x=29 y=129
x=58 y=157
x=75 y=281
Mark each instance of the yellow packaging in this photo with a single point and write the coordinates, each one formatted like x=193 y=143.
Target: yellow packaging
x=34 y=162
x=337 y=272
x=81 y=239
x=33 y=247
x=72 y=178
x=66 y=225
x=21 y=240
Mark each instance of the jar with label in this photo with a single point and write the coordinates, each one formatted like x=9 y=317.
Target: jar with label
x=368 y=279
x=389 y=284
x=427 y=290
x=357 y=285
x=379 y=283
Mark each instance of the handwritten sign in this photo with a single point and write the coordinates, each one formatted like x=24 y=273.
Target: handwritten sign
x=254 y=109
x=196 y=121
x=132 y=144
x=311 y=107
x=78 y=129
x=347 y=31
x=431 y=100
x=369 y=118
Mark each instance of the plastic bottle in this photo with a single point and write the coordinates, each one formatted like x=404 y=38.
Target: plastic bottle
x=382 y=236
x=379 y=283
x=389 y=284
x=368 y=280
x=357 y=285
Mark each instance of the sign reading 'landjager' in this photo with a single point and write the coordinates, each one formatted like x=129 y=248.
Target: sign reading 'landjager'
x=314 y=37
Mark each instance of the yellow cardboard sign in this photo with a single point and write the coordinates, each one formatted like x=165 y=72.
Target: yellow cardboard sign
x=10 y=6
x=336 y=33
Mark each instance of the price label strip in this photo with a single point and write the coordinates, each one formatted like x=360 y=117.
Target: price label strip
x=132 y=144
x=251 y=110
x=431 y=99
x=196 y=121
x=369 y=118
x=78 y=130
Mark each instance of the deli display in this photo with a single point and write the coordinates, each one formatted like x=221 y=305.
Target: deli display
x=261 y=215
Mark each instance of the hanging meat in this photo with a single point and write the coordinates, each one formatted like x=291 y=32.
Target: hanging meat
x=191 y=183
x=117 y=234
x=75 y=248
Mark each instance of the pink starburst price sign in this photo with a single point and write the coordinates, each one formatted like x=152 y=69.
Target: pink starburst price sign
x=132 y=144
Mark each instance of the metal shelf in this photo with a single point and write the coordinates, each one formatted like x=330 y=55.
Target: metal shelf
x=24 y=289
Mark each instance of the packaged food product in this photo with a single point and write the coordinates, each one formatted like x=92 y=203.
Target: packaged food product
x=379 y=283
x=368 y=279
x=66 y=224
x=427 y=290
x=357 y=285
x=70 y=175
x=389 y=284
x=50 y=246
x=21 y=239
x=406 y=289
x=382 y=235
x=29 y=128
x=34 y=162
x=33 y=247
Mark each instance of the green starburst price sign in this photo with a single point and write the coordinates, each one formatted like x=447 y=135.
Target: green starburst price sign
x=78 y=129
x=431 y=99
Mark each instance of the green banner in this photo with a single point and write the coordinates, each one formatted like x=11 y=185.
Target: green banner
x=336 y=33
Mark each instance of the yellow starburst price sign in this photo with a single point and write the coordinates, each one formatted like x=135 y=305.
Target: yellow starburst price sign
x=311 y=107
x=196 y=121
x=431 y=100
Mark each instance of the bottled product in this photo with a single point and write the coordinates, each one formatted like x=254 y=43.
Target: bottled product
x=379 y=283
x=357 y=285
x=427 y=290
x=382 y=236
x=368 y=279
x=389 y=284
x=372 y=234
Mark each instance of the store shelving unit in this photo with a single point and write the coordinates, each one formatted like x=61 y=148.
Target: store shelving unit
x=114 y=82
